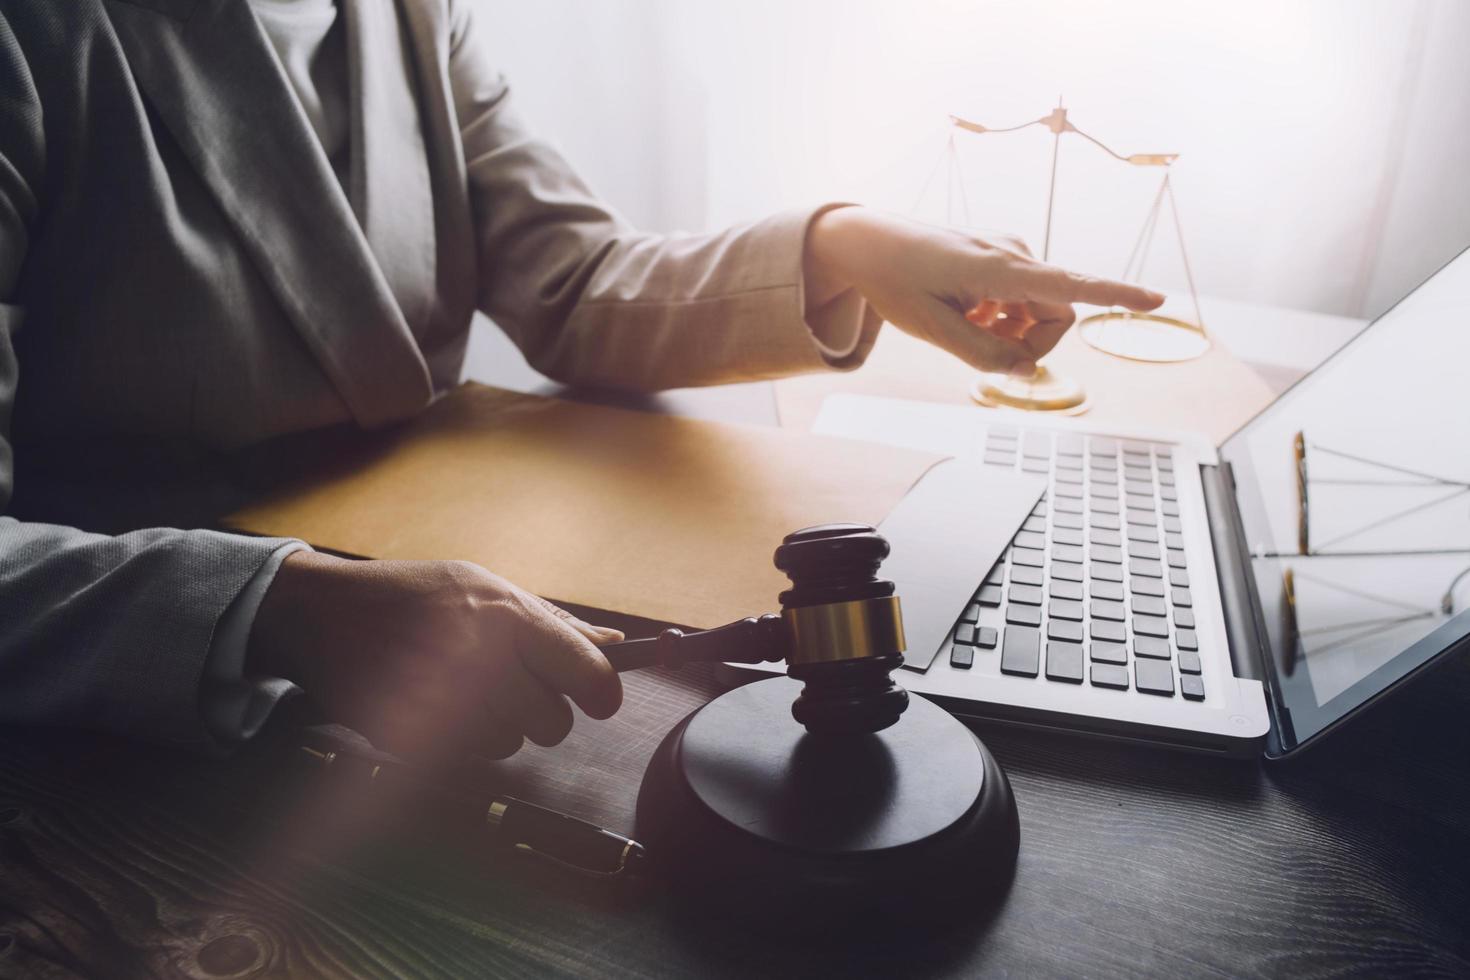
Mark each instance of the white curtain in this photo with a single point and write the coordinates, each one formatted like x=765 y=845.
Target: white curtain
x=1324 y=144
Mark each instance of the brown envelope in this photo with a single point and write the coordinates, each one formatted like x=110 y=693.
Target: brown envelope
x=668 y=518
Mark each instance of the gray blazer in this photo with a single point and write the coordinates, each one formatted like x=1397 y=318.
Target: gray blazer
x=182 y=277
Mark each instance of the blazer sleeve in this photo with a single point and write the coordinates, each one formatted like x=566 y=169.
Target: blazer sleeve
x=109 y=633
x=589 y=300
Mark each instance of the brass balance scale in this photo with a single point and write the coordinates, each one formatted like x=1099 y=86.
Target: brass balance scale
x=1149 y=337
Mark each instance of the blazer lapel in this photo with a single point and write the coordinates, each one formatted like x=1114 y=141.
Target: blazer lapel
x=209 y=73
x=389 y=182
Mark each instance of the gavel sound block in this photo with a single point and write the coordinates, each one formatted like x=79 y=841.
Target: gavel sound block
x=828 y=790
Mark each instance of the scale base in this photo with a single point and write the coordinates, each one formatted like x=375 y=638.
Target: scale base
x=1042 y=392
x=742 y=810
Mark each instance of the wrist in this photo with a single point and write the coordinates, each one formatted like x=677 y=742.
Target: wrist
x=287 y=621
x=826 y=259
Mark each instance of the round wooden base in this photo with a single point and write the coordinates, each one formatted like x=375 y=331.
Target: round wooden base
x=741 y=808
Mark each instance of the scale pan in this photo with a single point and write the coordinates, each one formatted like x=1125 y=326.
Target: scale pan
x=1042 y=392
x=1144 y=336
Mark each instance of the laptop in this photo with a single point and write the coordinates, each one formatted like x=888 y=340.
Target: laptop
x=1244 y=598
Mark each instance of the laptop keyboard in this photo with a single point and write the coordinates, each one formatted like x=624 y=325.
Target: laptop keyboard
x=1094 y=588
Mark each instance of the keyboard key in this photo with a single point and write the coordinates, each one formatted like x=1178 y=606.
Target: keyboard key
x=1073 y=521
x=1070 y=444
x=1066 y=571
x=1000 y=459
x=1139 y=532
x=1179 y=577
x=1103 y=463
x=1100 y=477
x=1107 y=522
x=1066 y=552
x=1102 y=505
x=1183 y=618
x=1106 y=572
x=1069 y=476
x=1142 y=549
x=1036 y=524
x=1145 y=568
x=1065 y=609
x=1172 y=540
x=1065 y=462
x=1069 y=490
x=1102 y=445
x=1172 y=524
x=1150 y=626
x=1139 y=487
x=1029 y=539
x=1020 y=651
x=1066 y=535
x=1036 y=444
x=1168 y=493
x=1153 y=677
x=996 y=575
x=989 y=595
x=1111 y=632
x=1144 y=517
x=1144 y=586
x=1151 y=646
x=1187 y=640
x=1148 y=605
x=1029 y=556
x=1181 y=597
x=1108 y=653
x=1035 y=465
x=1064 y=662
x=965 y=634
x=1101 y=536
x=1100 y=489
x=1192 y=687
x=1027 y=595
x=1067 y=590
x=1023 y=615
x=1025 y=575
x=1166 y=478
x=1040 y=509
x=1135 y=502
x=1112 y=591
x=1176 y=558
x=1170 y=508
x=1069 y=506
x=961 y=656
x=985 y=637
x=1103 y=609
x=1188 y=662
x=1107 y=553
x=1061 y=629
x=971 y=613
x=1107 y=675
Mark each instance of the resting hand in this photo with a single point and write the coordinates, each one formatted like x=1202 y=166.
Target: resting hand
x=435 y=661
x=951 y=288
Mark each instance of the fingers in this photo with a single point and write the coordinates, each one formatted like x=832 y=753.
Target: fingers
x=1051 y=323
x=565 y=660
x=600 y=635
x=527 y=706
x=1039 y=282
x=980 y=347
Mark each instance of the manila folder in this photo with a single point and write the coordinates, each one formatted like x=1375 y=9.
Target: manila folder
x=668 y=518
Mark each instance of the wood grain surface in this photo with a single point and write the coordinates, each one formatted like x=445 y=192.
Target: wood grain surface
x=120 y=860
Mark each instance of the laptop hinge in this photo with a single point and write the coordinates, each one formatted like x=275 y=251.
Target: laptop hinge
x=1250 y=645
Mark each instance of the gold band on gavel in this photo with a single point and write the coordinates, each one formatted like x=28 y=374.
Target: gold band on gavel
x=852 y=630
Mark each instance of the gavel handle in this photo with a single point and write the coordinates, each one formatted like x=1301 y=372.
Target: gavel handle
x=749 y=641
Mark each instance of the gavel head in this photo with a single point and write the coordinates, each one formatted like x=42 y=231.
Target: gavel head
x=846 y=631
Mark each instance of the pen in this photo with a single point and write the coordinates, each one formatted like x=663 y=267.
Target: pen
x=537 y=831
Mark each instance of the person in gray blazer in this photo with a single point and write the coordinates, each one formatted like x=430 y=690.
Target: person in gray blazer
x=223 y=222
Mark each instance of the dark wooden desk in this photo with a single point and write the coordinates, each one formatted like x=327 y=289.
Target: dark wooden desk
x=117 y=860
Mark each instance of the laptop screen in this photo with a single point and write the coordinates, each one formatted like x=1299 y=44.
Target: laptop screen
x=1354 y=490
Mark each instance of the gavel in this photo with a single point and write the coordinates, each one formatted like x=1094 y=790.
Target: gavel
x=840 y=632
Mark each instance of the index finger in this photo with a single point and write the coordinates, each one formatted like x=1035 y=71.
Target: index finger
x=1039 y=282
x=565 y=660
